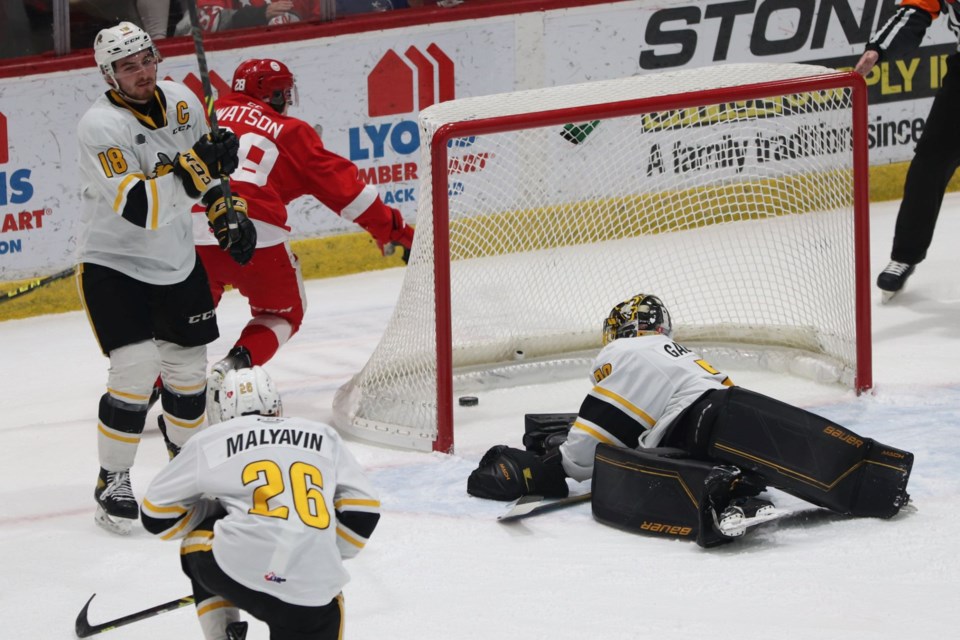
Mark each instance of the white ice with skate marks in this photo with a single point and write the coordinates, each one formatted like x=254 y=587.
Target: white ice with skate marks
x=440 y=566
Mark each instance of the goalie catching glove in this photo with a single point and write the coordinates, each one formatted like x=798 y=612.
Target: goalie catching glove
x=505 y=473
x=210 y=157
x=241 y=250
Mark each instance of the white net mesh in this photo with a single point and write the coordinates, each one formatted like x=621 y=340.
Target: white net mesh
x=739 y=215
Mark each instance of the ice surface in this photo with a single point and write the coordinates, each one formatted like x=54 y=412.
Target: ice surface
x=440 y=566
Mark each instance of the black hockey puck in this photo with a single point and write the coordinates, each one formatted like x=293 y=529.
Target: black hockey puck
x=469 y=401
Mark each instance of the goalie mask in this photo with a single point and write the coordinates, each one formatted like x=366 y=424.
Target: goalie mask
x=640 y=315
x=245 y=392
x=116 y=43
x=267 y=80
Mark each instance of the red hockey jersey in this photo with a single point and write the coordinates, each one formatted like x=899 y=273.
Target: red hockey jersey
x=282 y=158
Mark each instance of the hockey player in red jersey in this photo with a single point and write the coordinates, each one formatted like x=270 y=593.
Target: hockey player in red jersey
x=281 y=158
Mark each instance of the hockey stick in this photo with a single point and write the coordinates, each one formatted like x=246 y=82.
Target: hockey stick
x=233 y=227
x=84 y=629
x=33 y=285
x=532 y=505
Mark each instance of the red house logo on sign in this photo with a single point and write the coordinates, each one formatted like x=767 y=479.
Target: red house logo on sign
x=219 y=85
x=4 y=142
x=395 y=87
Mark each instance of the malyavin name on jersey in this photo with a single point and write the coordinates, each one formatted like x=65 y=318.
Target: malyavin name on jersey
x=266 y=437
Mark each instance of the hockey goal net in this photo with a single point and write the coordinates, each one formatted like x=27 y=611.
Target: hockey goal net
x=738 y=194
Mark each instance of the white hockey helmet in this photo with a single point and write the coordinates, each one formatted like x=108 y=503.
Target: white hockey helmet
x=245 y=392
x=116 y=43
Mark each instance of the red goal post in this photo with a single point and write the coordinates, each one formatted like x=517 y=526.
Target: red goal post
x=737 y=193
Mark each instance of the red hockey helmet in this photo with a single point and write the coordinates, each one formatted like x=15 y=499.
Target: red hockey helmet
x=267 y=80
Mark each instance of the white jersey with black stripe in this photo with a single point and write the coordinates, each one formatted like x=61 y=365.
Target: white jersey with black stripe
x=640 y=385
x=136 y=212
x=297 y=502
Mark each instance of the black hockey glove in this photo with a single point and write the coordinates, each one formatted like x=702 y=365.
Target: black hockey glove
x=506 y=474
x=544 y=432
x=207 y=159
x=242 y=250
x=228 y=146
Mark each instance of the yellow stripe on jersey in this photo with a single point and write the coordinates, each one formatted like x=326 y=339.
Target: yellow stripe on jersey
x=196 y=541
x=643 y=415
x=172 y=533
x=349 y=538
x=356 y=502
x=124 y=188
x=171 y=509
x=593 y=432
x=144 y=119
x=154 y=204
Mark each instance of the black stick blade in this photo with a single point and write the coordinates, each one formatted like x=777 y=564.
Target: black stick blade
x=84 y=629
x=82 y=626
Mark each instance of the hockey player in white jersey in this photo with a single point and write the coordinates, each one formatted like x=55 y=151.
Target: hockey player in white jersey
x=146 y=158
x=267 y=508
x=672 y=446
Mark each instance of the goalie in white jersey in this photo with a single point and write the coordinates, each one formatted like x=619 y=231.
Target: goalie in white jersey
x=674 y=448
x=146 y=158
x=267 y=508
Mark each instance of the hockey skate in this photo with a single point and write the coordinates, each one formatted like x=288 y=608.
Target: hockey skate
x=237 y=358
x=893 y=278
x=237 y=631
x=743 y=513
x=117 y=507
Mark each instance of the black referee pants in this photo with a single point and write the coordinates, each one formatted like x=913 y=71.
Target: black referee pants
x=936 y=158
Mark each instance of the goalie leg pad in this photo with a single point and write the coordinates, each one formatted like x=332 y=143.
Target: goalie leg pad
x=810 y=457
x=661 y=492
x=506 y=474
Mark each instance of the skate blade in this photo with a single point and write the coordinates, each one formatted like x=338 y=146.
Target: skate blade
x=737 y=524
x=118 y=526
x=887 y=296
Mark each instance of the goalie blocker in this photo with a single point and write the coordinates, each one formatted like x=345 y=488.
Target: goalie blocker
x=801 y=453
